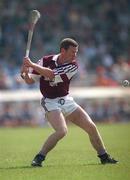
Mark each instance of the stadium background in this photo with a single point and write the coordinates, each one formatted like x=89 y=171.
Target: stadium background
x=102 y=28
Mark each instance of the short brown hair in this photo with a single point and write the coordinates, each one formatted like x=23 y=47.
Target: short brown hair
x=67 y=42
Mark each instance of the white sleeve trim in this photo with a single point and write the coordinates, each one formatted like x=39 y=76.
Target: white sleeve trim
x=58 y=79
x=35 y=77
x=40 y=62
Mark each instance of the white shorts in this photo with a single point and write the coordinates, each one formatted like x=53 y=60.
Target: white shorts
x=64 y=104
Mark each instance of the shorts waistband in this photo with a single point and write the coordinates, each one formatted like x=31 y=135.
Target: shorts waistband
x=58 y=98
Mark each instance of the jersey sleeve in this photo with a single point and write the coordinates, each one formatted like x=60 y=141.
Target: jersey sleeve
x=68 y=69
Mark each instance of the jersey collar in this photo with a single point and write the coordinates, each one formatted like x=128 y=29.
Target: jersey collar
x=55 y=58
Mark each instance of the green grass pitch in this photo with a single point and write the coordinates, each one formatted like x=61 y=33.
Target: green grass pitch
x=72 y=159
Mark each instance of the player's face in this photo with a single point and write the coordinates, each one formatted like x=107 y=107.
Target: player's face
x=70 y=54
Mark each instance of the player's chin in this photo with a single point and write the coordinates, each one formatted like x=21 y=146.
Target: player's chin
x=73 y=58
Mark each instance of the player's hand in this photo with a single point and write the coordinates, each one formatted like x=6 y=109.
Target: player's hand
x=24 y=69
x=27 y=62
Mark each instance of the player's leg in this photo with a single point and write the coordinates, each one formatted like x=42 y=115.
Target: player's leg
x=82 y=119
x=57 y=121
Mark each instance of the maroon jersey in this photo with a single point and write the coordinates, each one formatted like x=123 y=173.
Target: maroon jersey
x=59 y=86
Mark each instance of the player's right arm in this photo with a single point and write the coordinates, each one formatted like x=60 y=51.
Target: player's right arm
x=42 y=71
x=26 y=76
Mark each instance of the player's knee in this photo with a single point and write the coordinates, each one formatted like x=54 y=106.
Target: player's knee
x=62 y=132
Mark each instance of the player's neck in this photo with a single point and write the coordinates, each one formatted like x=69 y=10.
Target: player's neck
x=62 y=60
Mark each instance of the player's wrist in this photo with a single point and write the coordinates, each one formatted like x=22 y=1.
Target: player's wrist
x=24 y=75
x=32 y=65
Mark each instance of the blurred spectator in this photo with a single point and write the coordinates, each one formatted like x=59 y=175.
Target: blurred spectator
x=3 y=80
x=21 y=114
x=121 y=69
x=123 y=110
x=7 y=117
x=25 y=116
x=109 y=111
x=102 y=78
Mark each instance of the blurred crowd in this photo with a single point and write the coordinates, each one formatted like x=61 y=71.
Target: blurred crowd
x=13 y=114
x=102 y=28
